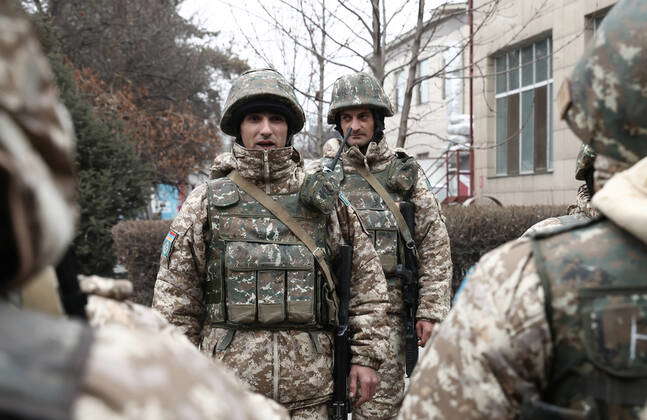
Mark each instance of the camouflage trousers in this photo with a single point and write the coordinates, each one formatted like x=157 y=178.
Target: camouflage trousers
x=390 y=393
x=317 y=412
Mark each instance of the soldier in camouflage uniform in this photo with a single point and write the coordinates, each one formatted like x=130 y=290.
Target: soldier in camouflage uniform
x=54 y=368
x=554 y=326
x=359 y=102
x=248 y=289
x=580 y=210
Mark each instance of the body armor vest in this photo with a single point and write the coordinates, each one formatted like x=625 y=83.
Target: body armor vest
x=378 y=220
x=41 y=364
x=596 y=306
x=259 y=274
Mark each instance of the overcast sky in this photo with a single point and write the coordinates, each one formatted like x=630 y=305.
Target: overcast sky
x=244 y=25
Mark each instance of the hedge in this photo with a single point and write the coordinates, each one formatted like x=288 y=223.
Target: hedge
x=137 y=245
x=473 y=231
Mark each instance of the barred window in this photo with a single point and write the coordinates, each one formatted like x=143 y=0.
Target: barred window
x=524 y=123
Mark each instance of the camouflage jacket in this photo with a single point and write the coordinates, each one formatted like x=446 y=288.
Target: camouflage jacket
x=431 y=234
x=161 y=348
x=582 y=205
x=495 y=348
x=293 y=367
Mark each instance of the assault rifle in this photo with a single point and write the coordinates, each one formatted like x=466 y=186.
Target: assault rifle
x=340 y=405
x=343 y=144
x=408 y=275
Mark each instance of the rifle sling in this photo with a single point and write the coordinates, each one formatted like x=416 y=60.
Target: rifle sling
x=390 y=203
x=277 y=210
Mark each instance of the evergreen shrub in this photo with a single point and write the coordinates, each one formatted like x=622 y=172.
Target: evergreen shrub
x=138 y=244
x=475 y=230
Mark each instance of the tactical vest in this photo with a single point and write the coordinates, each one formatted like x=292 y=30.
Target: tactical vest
x=259 y=274
x=378 y=220
x=42 y=359
x=596 y=306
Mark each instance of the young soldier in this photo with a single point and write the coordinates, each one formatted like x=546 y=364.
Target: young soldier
x=358 y=102
x=53 y=367
x=554 y=327
x=246 y=286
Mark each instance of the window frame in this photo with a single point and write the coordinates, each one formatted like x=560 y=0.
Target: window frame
x=548 y=82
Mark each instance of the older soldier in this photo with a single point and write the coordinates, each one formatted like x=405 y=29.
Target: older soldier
x=581 y=209
x=358 y=102
x=252 y=287
x=554 y=326
x=53 y=368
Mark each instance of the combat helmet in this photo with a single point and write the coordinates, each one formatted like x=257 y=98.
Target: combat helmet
x=584 y=162
x=355 y=90
x=261 y=86
x=605 y=102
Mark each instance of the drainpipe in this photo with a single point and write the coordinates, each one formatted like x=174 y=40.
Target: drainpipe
x=470 y=18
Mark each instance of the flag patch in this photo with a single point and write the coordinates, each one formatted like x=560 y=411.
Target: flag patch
x=167 y=246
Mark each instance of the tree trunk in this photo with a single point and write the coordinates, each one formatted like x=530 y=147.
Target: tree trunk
x=378 y=51
x=322 y=64
x=411 y=78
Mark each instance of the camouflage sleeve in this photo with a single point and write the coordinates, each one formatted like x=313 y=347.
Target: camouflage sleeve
x=368 y=304
x=492 y=350
x=434 y=255
x=178 y=291
x=139 y=374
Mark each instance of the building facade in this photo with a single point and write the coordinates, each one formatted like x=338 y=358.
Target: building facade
x=524 y=50
x=438 y=120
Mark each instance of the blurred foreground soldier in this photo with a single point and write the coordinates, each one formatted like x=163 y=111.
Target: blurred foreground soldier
x=358 y=102
x=250 y=288
x=582 y=209
x=555 y=327
x=54 y=368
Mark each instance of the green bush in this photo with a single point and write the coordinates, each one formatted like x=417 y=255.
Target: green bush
x=138 y=245
x=114 y=184
x=473 y=231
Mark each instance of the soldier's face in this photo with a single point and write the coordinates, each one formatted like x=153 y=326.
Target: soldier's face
x=362 y=123
x=264 y=131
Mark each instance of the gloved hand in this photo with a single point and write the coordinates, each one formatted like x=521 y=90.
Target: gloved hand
x=319 y=191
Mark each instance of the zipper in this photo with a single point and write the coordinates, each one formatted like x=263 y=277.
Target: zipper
x=266 y=171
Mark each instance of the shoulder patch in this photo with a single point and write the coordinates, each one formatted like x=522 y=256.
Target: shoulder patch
x=167 y=246
x=223 y=192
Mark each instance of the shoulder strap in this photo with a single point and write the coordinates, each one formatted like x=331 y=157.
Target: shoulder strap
x=390 y=203
x=277 y=210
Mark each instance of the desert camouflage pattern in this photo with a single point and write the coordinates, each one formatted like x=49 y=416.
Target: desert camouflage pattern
x=265 y=84
x=582 y=206
x=167 y=378
x=358 y=89
x=584 y=162
x=594 y=280
x=607 y=98
x=553 y=223
x=432 y=242
x=293 y=367
x=36 y=156
x=259 y=273
x=105 y=287
x=107 y=309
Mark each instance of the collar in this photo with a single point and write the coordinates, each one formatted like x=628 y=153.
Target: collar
x=624 y=200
